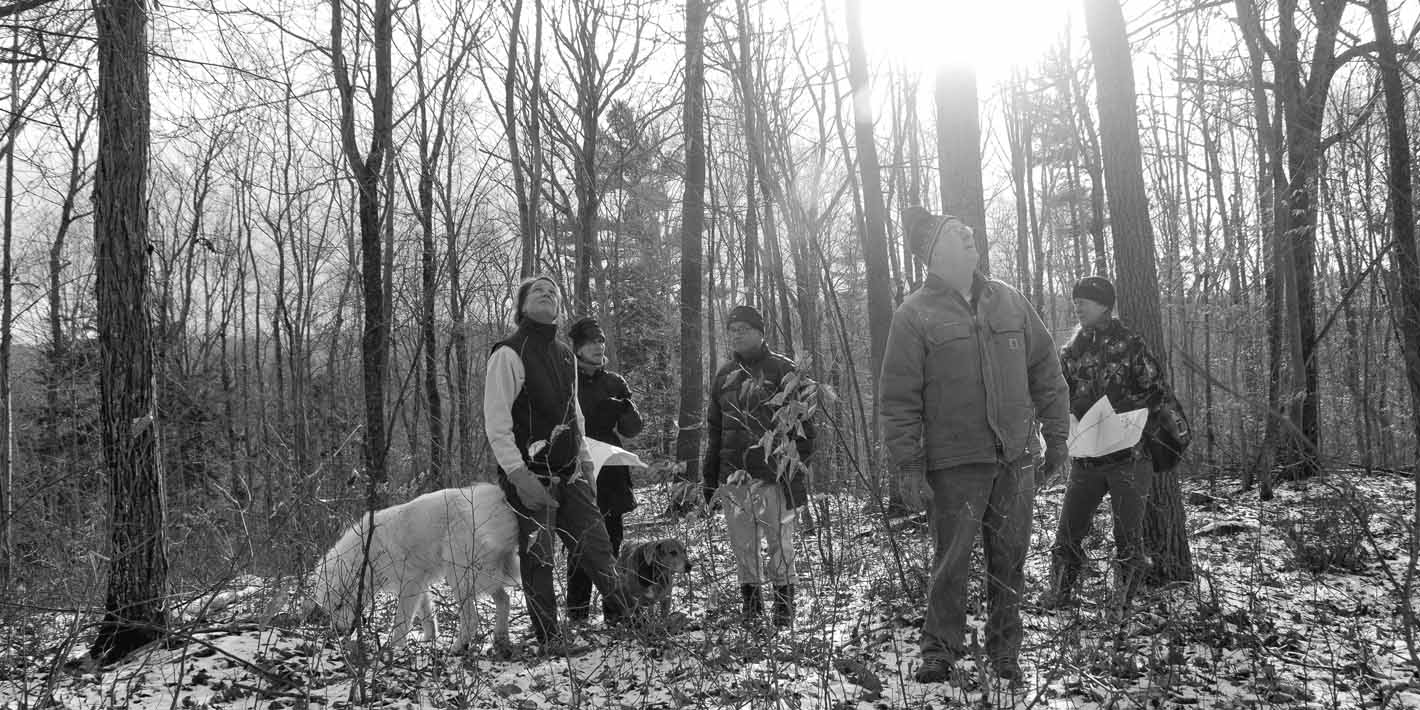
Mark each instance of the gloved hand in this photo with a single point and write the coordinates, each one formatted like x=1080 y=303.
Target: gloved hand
x=531 y=491
x=1057 y=457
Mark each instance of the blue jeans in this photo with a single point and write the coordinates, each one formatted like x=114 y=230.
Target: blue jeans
x=996 y=499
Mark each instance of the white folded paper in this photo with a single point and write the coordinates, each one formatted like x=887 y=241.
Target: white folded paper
x=604 y=454
x=1104 y=431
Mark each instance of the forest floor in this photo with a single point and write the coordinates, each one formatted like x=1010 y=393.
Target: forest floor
x=1256 y=629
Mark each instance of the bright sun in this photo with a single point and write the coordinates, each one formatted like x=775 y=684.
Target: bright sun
x=991 y=35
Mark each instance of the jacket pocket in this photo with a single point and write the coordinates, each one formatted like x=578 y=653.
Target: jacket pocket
x=951 y=352
x=1008 y=352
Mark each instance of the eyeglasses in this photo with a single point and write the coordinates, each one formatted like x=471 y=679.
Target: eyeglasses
x=737 y=329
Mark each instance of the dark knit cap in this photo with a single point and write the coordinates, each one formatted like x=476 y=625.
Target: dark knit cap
x=746 y=315
x=920 y=228
x=522 y=297
x=584 y=331
x=1095 y=288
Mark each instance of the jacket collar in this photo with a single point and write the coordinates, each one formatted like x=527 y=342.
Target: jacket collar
x=536 y=330
x=1110 y=326
x=979 y=284
x=755 y=356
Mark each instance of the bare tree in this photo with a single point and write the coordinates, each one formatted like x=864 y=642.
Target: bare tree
x=431 y=132
x=692 y=374
x=959 y=152
x=592 y=44
x=368 y=172
x=1402 y=215
x=873 y=231
x=134 y=604
x=1134 y=252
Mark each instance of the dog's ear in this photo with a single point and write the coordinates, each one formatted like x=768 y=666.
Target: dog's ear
x=646 y=561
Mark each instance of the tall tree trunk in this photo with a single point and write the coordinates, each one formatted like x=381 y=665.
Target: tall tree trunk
x=137 y=582
x=431 y=145
x=873 y=233
x=1089 y=146
x=367 y=169
x=7 y=431
x=527 y=234
x=754 y=147
x=1018 y=138
x=1165 y=535
x=692 y=375
x=460 y=332
x=959 y=152
x=1303 y=105
x=1405 y=258
x=1267 y=152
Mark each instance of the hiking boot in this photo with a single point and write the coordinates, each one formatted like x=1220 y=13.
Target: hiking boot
x=934 y=669
x=561 y=647
x=1062 y=586
x=1008 y=671
x=751 y=603
x=1056 y=599
x=784 y=605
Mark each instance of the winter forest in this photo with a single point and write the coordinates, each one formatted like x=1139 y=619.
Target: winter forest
x=255 y=254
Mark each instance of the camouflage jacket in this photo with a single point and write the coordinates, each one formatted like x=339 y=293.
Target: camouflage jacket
x=1112 y=360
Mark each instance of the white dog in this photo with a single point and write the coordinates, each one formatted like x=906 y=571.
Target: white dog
x=467 y=536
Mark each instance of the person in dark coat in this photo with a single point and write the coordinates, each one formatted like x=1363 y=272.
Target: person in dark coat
x=761 y=490
x=1105 y=359
x=611 y=417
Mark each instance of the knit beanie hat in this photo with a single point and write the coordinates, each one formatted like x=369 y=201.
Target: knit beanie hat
x=920 y=228
x=1095 y=288
x=522 y=297
x=746 y=315
x=584 y=331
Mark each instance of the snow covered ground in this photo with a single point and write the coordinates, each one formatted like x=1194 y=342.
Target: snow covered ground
x=1253 y=631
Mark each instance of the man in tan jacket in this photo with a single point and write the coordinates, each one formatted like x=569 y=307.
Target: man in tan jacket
x=969 y=372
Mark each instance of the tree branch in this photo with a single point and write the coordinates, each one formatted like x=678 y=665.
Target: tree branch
x=16 y=8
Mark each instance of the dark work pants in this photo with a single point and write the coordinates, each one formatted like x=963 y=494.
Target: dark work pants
x=578 y=523
x=579 y=583
x=995 y=499
x=1128 y=484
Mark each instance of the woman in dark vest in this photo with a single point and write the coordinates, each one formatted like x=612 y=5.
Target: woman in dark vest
x=611 y=417
x=535 y=429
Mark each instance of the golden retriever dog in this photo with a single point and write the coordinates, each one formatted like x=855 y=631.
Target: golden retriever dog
x=465 y=536
x=647 y=571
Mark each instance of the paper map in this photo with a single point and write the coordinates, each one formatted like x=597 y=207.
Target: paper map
x=1104 y=431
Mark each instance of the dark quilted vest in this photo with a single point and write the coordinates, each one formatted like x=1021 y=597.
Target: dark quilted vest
x=546 y=398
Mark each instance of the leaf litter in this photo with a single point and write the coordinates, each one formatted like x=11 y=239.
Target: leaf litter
x=1256 y=629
